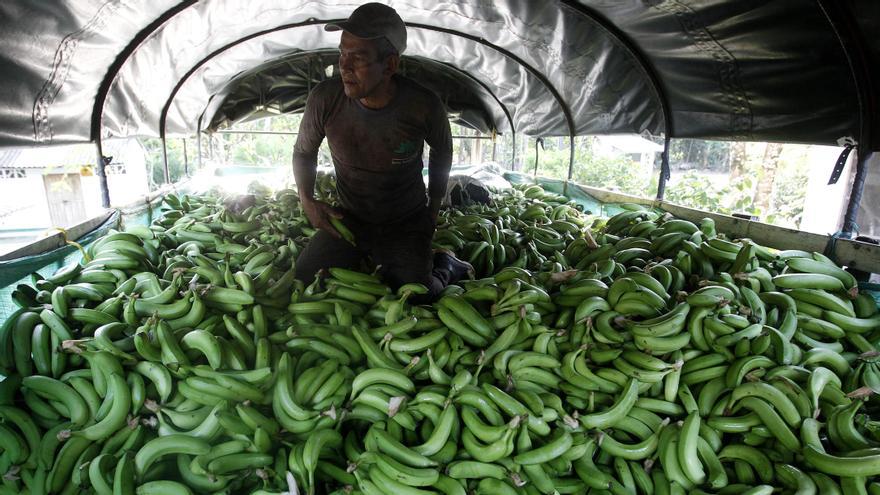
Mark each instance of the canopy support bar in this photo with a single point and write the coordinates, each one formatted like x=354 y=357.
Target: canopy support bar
x=185 y=159
x=101 y=170
x=533 y=71
x=854 y=50
x=566 y=110
x=164 y=115
x=494 y=96
x=845 y=26
x=664 y=168
x=199 y=141
x=644 y=64
x=165 y=171
x=538 y=142
x=513 y=158
x=122 y=57
x=488 y=90
x=855 y=196
x=570 y=164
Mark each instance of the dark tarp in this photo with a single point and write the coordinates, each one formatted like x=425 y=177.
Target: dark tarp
x=282 y=86
x=786 y=70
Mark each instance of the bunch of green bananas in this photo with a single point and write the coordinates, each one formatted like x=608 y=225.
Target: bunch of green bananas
x=524 y=226
x=325 y=188
x=184 y=357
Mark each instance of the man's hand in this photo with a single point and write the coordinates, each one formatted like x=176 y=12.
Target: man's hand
x=319 y=214
x=434 y=210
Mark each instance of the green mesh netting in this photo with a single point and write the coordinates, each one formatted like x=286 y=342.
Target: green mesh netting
x=871 y=289
x=17 y=271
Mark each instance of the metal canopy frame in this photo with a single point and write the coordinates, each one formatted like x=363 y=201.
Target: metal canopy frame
x=854 y=51
x=107 y=82
x=541 y=77
x=311 y=22
x=113 y=70
x=653 y=77
x=838 y=18
x=286 y=60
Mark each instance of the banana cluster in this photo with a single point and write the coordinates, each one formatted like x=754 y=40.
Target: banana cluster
x=525 y=227
x=651 y=355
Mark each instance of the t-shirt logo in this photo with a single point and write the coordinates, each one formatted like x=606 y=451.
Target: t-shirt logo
x=405 y=153
x=405 y=148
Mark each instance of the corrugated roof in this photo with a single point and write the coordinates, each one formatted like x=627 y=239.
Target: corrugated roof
x=74 y=155
x=631 y=143
x=9 y=158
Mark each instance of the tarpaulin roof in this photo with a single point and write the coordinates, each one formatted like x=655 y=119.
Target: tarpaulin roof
x=786 y=70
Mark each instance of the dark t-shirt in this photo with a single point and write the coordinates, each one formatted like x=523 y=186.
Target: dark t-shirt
x=377 y=154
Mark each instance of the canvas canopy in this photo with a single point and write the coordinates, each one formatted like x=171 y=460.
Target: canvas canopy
x=787 y=70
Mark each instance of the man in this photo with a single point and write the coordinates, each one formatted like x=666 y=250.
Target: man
x=376 y=123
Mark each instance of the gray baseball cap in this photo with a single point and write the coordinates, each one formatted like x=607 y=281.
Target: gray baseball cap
x=372 y=21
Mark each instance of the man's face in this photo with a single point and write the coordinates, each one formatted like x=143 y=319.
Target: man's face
x=359 y=63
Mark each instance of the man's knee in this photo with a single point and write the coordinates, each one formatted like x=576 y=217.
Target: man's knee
x=324 y=251
x=306 y=268
x=397 y=275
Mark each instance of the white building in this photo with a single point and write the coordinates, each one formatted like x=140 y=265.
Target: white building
x=638 y=149
x=42 y=188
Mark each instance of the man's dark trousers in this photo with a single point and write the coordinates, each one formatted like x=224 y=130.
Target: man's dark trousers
x=401 y=249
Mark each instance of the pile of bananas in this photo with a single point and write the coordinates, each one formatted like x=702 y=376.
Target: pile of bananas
x=525 y=227
x=657 y=357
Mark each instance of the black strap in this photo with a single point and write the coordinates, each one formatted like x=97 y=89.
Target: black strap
x=841 y=163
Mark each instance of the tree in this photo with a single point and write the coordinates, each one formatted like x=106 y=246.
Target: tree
x=767 y=176
x=589 y=168
x=155 y=161
x=737 y=159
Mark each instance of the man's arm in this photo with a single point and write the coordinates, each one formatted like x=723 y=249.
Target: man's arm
x=305 y=172
x=318 y=212
x=305 y=166
x=440 y=158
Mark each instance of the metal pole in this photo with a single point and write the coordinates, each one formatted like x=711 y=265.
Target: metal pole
x=855 y=196
x=538 y=141
x=199 y=147
x=165 y=161
x=664 y=168
x=535 y=173
x=185 y=159
x=570 y=158
x=102 y=175
x=513 y=158
x=494 y=146
x=570 y=164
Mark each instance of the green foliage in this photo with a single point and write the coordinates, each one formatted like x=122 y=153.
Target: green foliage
x=701 y=192
x=155 y=163
x=687 y=154
x=616 y=174
x=264 y=150
x=789 y=196
x=699 y=168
